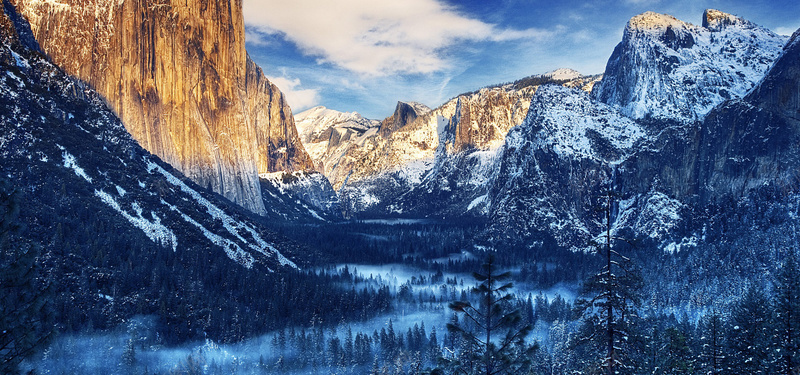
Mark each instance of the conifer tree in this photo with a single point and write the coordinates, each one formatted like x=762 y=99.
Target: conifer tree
x=749 y=335
x=609 y=300
x=493 y=337
x=25 y=314
x=787 y=315
x=712 y=343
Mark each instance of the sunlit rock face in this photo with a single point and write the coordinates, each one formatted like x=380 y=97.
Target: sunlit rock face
x=178 y=75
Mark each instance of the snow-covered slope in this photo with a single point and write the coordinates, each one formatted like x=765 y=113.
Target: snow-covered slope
x=58 y=135
x=303 y=194
x=665 y=68
x=329 y=135
x=554 y=163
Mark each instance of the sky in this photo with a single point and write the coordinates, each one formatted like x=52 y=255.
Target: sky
x=366 y=55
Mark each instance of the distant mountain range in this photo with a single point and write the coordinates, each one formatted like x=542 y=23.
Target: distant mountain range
x=529 y=156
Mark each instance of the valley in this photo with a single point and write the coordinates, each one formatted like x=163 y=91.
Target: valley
x=164 y=211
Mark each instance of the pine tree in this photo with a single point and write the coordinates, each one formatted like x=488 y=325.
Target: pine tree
x=493 y=337
x=750 y=335
x=787 y=315
x=25 y=313
x=712 y=343
x=609 y=302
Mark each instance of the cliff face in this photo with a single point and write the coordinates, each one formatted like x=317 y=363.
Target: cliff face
x=178 y=75
x=665 y=68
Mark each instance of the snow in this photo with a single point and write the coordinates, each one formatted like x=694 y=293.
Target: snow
x=69 y=162
x=233 y=227
x=477 y=201
x=20 y=61
x=659 y=215
x=654 y=21
x=120 y=190
x=157 y=232
x=14 y=77
x=232 y=250
x=565 y=117
x=419 y=108
x=675 y=70
x=563 y=74
x=686 y=242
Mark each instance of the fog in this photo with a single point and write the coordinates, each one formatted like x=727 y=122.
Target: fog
x=419 y=305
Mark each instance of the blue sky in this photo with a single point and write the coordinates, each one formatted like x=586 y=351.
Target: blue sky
x=365 y=55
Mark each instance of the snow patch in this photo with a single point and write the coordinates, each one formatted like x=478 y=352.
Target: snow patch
x=676 y=247
x=233 y=227
x=157 y=232
x=69 y=162
x=232 y=250
x=477 y=201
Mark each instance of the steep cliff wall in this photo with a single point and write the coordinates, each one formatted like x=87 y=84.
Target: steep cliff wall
x=179 y=77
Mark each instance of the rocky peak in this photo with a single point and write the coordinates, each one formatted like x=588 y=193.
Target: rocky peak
x=667 y=69
x=563 y=74
x=180 y=79
x=652 y=21
x=715 y=20
x=404 y=114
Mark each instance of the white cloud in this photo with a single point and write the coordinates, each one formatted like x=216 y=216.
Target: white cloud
x=784 y=30
x=299 y=99
x=376 y=37
x=255 y=38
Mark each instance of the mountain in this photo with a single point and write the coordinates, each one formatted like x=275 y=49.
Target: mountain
x=552 y=166
x=532 y=157
x=753 y=142
x=676 y=166
x=328 y=134
x=178 y=76
x=665 y=68
x=441 y=163
x=120 y=231
x=59 y=134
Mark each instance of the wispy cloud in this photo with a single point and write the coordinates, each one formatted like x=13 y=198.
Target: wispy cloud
x=377 y=37
x=299 y=99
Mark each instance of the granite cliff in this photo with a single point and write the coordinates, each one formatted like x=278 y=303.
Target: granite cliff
x=179 y=77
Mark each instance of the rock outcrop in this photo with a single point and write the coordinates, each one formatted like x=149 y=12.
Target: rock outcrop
x=440 y=164
x=755 y=141
x=179 y=77
x=665 y=68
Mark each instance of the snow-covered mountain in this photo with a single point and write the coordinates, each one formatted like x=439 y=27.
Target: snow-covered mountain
x=410 y=170
x=672 y=179
x=555 y=162
x=328 y=135
x=641 y=129
x=205 y=108
x=81 y=171
x=665 y=68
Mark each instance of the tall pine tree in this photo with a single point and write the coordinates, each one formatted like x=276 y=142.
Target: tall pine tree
x=493 y=336
x=25 y=314
x=750 y=333
x=787 y=315
x=609 y=299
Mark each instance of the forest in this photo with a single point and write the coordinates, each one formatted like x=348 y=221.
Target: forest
x=384 y=298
